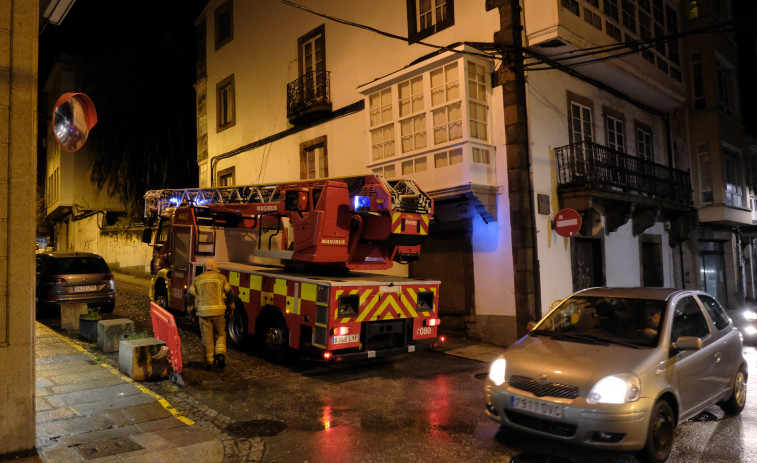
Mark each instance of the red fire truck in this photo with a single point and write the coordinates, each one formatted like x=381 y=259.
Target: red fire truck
x=296 y=255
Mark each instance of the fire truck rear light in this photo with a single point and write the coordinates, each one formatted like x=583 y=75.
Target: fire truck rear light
x=340 y=331
x=431 y=322
x=327 y=355
x=442 y=338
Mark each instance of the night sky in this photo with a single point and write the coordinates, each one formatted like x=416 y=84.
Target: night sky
x=136 y=61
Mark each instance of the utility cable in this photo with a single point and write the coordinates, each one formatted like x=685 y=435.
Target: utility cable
x=384 y=33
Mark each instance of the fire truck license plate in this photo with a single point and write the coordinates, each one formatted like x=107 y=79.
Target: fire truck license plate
x=536 y=406
x=345 y=339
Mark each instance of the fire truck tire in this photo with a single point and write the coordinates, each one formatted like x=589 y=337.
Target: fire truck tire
x=275 y=339
x=236 y=328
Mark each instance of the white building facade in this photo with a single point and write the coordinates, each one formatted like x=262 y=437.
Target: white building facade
x=443 y=92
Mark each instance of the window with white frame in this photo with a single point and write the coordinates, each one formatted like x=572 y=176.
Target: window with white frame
x=314 y=160
x=388 y=171
x=580 y=123
x=427 y=17
x=203 y=174
x=477 y=107
x=445 y=98
x=410 y=95
x=225 y=104
x=615 y=134
x=382 y=142
x=412 y=166
x=705 y=179
x=381 y=107
x=481 y=155
x=448 y=158
x=413 y=133
x=644 y=144
x=429 y=113
x=734 y=183
x=637 y=20
x=382 y=131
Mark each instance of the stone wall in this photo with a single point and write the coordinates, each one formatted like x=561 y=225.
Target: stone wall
x=19 y=24
x=121 y=247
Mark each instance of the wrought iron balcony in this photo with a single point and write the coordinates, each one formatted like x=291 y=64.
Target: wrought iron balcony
x=309 y=97
x=589 y=166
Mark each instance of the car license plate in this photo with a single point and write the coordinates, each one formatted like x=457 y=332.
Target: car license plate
x=78 y=289
x=540 y=407
x=345 y=339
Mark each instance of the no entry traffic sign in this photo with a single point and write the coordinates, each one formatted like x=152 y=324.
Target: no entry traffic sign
x=567 y=222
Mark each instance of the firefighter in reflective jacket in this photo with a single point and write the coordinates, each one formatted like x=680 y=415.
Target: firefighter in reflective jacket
x=209 y=290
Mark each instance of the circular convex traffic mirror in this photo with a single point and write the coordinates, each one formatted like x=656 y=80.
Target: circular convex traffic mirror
x=73 y=117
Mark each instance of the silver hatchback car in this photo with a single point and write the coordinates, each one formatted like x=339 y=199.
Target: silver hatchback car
x=619 y=368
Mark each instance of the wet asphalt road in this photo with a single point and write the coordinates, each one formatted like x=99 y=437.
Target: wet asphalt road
x=421 y=407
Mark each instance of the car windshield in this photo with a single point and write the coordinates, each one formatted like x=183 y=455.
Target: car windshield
x=632 y=322
x=74 y=265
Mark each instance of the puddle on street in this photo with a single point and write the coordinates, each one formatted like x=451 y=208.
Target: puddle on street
x=459 y=428
x=255 y=428
x=705 y=416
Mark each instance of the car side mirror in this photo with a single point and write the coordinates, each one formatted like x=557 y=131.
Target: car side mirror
x=687 y=343
x=74 y=116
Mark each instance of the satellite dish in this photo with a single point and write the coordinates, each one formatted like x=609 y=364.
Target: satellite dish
x=73 y=117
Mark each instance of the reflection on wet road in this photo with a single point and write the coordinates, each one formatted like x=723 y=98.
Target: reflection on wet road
x=425 y=407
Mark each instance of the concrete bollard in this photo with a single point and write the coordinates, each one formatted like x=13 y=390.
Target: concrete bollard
x=69 y=315
x=135 y=359
x=110 y=332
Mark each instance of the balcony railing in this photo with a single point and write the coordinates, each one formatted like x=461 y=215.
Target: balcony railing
x=308 y=97
x=587 y=165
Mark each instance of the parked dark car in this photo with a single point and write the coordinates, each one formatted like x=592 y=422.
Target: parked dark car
x=75 y=277
x=619 y=368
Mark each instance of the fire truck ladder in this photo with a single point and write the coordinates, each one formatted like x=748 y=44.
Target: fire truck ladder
x=405 y=194
x=158 y=200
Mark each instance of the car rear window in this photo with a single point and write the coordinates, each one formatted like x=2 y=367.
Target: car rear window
x=79 y=265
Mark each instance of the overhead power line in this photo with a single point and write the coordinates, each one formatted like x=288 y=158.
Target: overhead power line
x=384 y=33
x=622 y=49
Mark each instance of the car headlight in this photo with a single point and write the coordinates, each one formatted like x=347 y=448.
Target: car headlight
x=750 y=315
x=615 y=389
x=497 y=371
x=750 y=330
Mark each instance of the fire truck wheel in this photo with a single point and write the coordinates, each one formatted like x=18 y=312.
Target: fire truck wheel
x=237 y=327
x=276 y=341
